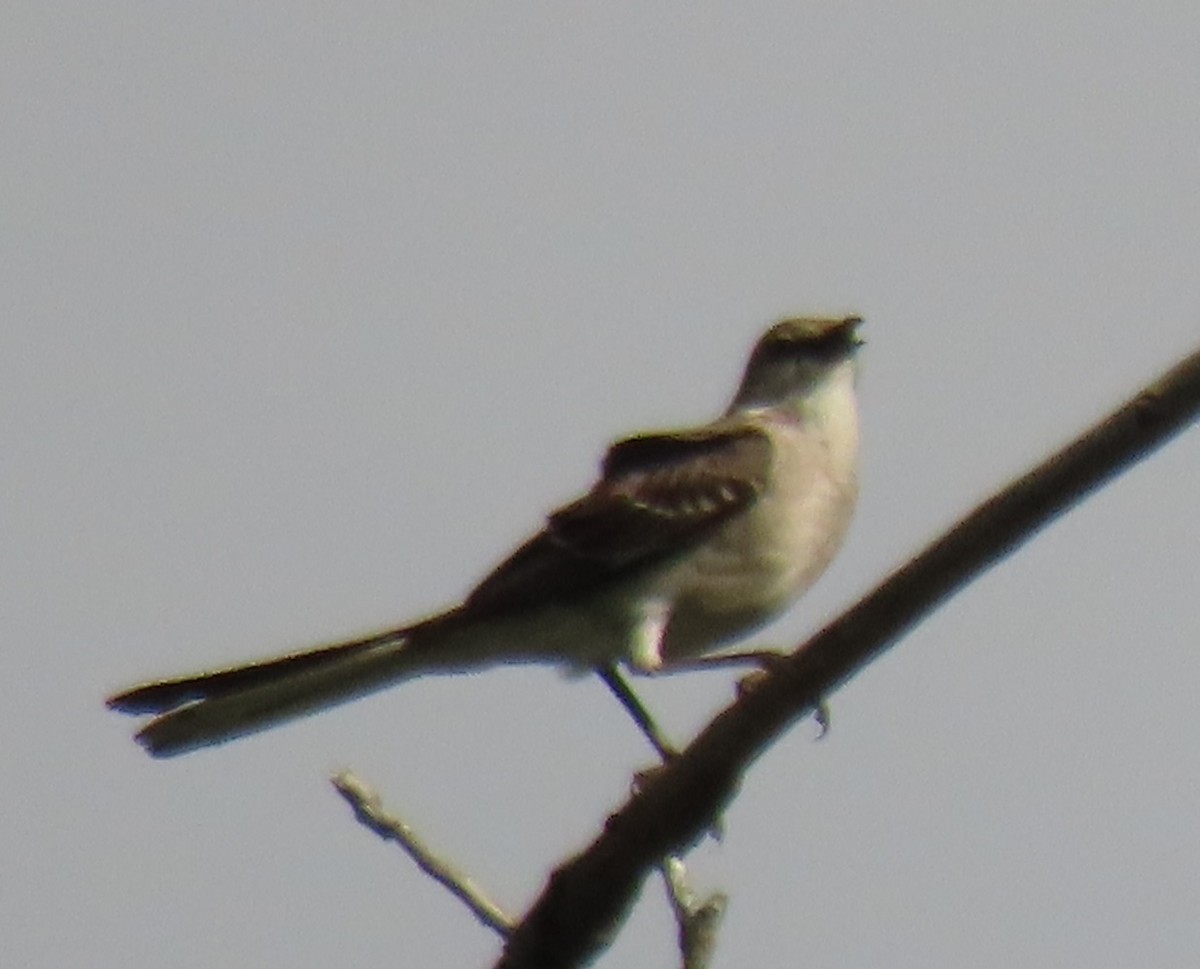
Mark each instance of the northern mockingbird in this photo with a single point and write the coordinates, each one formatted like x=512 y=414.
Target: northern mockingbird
x=688 y=540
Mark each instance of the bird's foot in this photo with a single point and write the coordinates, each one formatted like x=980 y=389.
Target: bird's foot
x=765 y=659
x=822 y=717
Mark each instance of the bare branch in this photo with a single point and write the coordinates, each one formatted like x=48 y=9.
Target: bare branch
x=369 y=810
x=698 y=921
x=586 y=898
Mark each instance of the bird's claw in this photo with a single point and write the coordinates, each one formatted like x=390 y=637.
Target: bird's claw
x=822 y=717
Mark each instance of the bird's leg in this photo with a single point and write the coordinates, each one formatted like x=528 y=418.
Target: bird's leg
x=764 y=659
x=616 y=682
x=620 y=688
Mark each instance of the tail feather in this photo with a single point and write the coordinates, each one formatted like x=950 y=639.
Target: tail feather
x=161 y=696
x=211 y=708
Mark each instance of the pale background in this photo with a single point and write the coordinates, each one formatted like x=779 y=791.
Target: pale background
x=310 y=311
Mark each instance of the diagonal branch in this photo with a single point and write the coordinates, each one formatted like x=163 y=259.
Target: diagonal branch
x=586 y=899
x=369 y=811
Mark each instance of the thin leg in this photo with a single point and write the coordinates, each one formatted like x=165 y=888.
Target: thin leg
x=762 y=658
x=633 y=705
x=620 y=688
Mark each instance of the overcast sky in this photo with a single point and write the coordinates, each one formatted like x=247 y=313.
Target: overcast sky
x=310 y=311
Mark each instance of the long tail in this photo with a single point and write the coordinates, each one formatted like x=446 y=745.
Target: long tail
x=211 y=708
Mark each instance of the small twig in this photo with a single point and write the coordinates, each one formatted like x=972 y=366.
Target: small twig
x=368 y=809
x=633 y=705
x=698 y=921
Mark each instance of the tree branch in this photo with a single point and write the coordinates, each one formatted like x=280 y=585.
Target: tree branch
x=586 y=899
x=369 y=810
x=698 y=921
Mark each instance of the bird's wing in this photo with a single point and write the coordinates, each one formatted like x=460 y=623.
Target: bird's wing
x=657 y=496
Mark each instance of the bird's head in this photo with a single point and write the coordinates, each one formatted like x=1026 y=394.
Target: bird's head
x=796 y=356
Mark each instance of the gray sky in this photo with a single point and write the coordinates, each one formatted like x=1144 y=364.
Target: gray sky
x=311 y=311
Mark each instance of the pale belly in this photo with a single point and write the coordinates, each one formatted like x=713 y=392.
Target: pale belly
x=759 y=564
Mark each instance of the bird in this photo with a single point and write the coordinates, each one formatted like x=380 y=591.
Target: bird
x=688 y=540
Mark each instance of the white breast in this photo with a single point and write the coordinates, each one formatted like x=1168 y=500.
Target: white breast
x=760 y=562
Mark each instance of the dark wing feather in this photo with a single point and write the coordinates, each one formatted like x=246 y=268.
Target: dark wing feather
x=658 y=495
